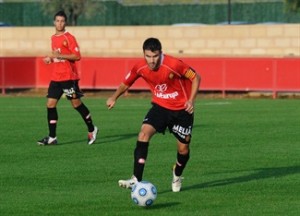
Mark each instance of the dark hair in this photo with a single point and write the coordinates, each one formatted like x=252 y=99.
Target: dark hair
x=62 y=14
x=152 y=44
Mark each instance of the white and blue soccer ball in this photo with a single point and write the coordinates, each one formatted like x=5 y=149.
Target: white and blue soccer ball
x=143 y=193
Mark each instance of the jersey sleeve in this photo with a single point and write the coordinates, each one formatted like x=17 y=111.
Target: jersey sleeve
x=190 y=74
x=185 y=70
x=131 y=77
x=73 y=46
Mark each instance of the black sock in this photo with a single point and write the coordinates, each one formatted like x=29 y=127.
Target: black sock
x=52 y=121
x=140 y=156
x=86 y=116
x=181 y=163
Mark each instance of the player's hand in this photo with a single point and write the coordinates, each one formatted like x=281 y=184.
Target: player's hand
x=47 y=60
x=110 y=103
x=189 y=107
x=55 y=53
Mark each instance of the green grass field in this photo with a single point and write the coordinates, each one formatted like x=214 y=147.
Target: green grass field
x=244 y=160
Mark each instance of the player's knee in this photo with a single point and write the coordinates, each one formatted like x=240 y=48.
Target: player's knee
x=50 y=105
x=76 y=103
x=143 y=136
x=183 y=149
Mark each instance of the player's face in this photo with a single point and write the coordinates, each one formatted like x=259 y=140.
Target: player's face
x=152 y=59
x=60 y=23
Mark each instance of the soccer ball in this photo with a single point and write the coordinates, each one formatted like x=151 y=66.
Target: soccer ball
x=143 y=193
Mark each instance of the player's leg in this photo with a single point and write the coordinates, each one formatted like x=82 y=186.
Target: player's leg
x=84 y=112
x=141 y=150
x=140 y=156
x=87 y=118
x=54 y=94
x=73 y=93
x=182 y=130
x=52 y=116
x=154 y=121
x=183 y=156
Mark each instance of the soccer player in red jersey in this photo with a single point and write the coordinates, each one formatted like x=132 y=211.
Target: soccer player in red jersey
x=64 y=80
x=174 y=86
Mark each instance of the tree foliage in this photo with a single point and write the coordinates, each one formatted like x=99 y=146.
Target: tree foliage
x=293 y=5
x=73 y=8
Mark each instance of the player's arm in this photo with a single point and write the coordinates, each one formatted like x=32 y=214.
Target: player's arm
x=72 y=55
x=130 y=78
x=47 y=60
x=195 y=77
x=69 y=57
x=112 y=100
x=56 y=55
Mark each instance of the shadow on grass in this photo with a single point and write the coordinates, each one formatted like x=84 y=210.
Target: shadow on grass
x=259 y=174
x=162 y=205
x=81 y=141
x=101 y=140
x=115 y=138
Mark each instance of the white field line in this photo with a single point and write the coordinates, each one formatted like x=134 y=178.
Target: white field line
x=217 y=103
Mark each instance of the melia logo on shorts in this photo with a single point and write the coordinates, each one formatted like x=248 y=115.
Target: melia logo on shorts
x=181 y=131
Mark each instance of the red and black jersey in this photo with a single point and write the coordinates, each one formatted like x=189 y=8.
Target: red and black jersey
x=64 y=69
x=170 y=84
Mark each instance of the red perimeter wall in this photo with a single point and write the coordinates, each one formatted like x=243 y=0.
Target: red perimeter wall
x=218 y=74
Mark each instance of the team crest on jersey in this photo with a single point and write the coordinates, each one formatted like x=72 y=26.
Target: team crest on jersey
x=65 y=43
x=171 y=76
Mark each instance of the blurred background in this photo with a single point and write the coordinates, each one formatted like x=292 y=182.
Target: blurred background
x=236 y=45
x=151 y=12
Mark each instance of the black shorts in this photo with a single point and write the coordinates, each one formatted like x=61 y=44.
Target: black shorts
x=179 y=122
x=70 y=88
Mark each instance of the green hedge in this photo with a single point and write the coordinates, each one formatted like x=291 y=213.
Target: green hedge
x=30 y=14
